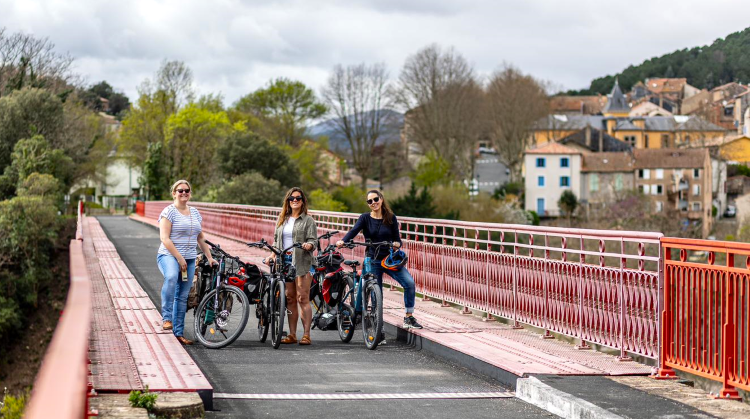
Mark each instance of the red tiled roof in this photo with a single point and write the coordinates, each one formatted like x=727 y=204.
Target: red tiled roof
x=552 y=148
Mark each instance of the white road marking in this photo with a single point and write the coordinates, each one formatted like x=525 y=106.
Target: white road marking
x=365 y=396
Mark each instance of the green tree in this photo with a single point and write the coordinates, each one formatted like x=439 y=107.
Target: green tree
x=245 y=152
x=431 y=171
x=251 y=189
x=25 y=113
x=34 y=155
x=285 y=107
x=568 y=203
x=353 y=197
x=155 y=176
x=415 y=203
x=324 y=201
x=192 y=135
x=38 y=184
x=308 y=159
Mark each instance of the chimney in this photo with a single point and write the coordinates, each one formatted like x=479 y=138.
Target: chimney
x=601 y=141
x=588 y=136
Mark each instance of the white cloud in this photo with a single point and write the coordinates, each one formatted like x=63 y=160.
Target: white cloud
x=237 y=46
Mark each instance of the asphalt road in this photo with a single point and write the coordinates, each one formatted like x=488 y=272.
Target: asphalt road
x=328 y=366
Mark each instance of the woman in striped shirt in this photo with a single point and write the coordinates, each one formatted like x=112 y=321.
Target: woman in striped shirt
x=180 y=231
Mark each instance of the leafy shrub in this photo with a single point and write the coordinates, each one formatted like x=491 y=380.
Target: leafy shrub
x=533 y=217
x=353 y=197
x=143 y=399
x=12 y=407
x=251 y=189
x=30 y=228
x=322 y=200
x=38 y=184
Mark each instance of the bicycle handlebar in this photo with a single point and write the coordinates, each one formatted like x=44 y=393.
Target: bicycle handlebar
x=263 y=243
x=328 y=235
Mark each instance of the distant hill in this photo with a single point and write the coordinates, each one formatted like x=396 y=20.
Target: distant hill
x=339 y=144
x=709 y=66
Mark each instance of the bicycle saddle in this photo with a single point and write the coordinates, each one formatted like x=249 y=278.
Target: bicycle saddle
x=351 y=263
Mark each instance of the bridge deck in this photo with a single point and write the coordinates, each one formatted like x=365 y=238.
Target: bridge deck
x=520 y=352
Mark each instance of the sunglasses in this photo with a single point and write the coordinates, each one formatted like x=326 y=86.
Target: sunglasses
x=182 y=190
x=371 y=201
x=295 y=198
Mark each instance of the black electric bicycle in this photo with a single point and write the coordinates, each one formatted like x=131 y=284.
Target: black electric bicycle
x=271 y=308
x=222 y=314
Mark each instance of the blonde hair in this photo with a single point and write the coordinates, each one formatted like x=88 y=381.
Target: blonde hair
x=178 y=183
x=286 y=209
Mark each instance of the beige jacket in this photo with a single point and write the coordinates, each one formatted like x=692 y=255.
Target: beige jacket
x=305 y=231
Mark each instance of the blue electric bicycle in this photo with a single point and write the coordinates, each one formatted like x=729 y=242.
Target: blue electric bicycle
x=363 y=303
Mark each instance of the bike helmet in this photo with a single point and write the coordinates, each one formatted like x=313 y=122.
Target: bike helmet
x=395 y=261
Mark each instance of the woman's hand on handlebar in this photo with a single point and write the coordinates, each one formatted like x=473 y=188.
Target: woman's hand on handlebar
x=340 y=243
x=211 y=261
x=308 y=246
x=396 y=245
x=268 y=260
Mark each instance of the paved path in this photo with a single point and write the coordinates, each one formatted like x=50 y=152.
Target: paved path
x=328 y=367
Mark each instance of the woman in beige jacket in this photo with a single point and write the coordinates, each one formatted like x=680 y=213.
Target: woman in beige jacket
x=295 y=226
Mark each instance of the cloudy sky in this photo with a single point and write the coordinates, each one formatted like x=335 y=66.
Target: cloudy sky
x=236 y=46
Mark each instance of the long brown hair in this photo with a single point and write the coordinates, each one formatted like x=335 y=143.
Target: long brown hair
x=384 y=208
x=286 y=209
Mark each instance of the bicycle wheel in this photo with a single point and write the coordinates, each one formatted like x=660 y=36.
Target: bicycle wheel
x=278 y=311
x=372 y=316
x=262 y=311
x=221 y=318
x=345 y=313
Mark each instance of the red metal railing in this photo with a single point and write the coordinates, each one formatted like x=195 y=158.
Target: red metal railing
x=706 y=324
x=598 y=286
x=60 y=387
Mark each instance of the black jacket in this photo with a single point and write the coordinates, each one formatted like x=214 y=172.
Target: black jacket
x=376 y=231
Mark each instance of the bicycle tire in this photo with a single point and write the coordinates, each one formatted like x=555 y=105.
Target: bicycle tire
x=208 y=300
x=372 y=314
x=262 y=310
x=345 y=314
x=278 y=312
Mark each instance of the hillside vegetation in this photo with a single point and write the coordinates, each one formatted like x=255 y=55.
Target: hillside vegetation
x=709 y=66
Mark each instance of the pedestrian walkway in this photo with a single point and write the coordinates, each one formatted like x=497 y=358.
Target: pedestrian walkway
x=518 y=351
x=129 y=350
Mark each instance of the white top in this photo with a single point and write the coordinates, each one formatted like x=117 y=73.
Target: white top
x=185 y=230
x=286 y=234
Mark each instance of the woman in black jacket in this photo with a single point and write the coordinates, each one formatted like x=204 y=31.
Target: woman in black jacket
x=380 y=224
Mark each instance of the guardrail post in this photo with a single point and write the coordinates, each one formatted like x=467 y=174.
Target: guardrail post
x=728 y=338
x=442 y=270
x=516 y=325
x=665 y=372
x=581 y=277
x=545 y=287
x=623 y=357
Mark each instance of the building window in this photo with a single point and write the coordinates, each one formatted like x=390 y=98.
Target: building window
x=540 y=181
x=696 y=206
x=665 y=141
x=657 y=190
x=594 y=182
x=564 y=162
x=687 y=139
x=645 y=141
x=659 y=206
x=696 y=173
x=630 y=139
x=541 y=162
x=696 y=190
x=564 y=181
x=618 y=182
x=644 y=174
x=644 y=189
x=659 y=173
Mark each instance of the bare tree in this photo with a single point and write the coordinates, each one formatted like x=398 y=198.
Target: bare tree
x=357 y=96
x=515 y=101
x=175 y=80
x=26 y=61
x=443 y=99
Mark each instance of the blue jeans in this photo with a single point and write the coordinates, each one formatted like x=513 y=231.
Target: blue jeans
x=403 y=277
x=175 y=291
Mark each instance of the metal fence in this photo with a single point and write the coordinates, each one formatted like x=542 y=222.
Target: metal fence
x=706 y=323
x=600 y=287
x=60 y=388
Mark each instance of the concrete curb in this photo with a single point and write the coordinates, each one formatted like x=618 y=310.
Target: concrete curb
x=562 y=404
